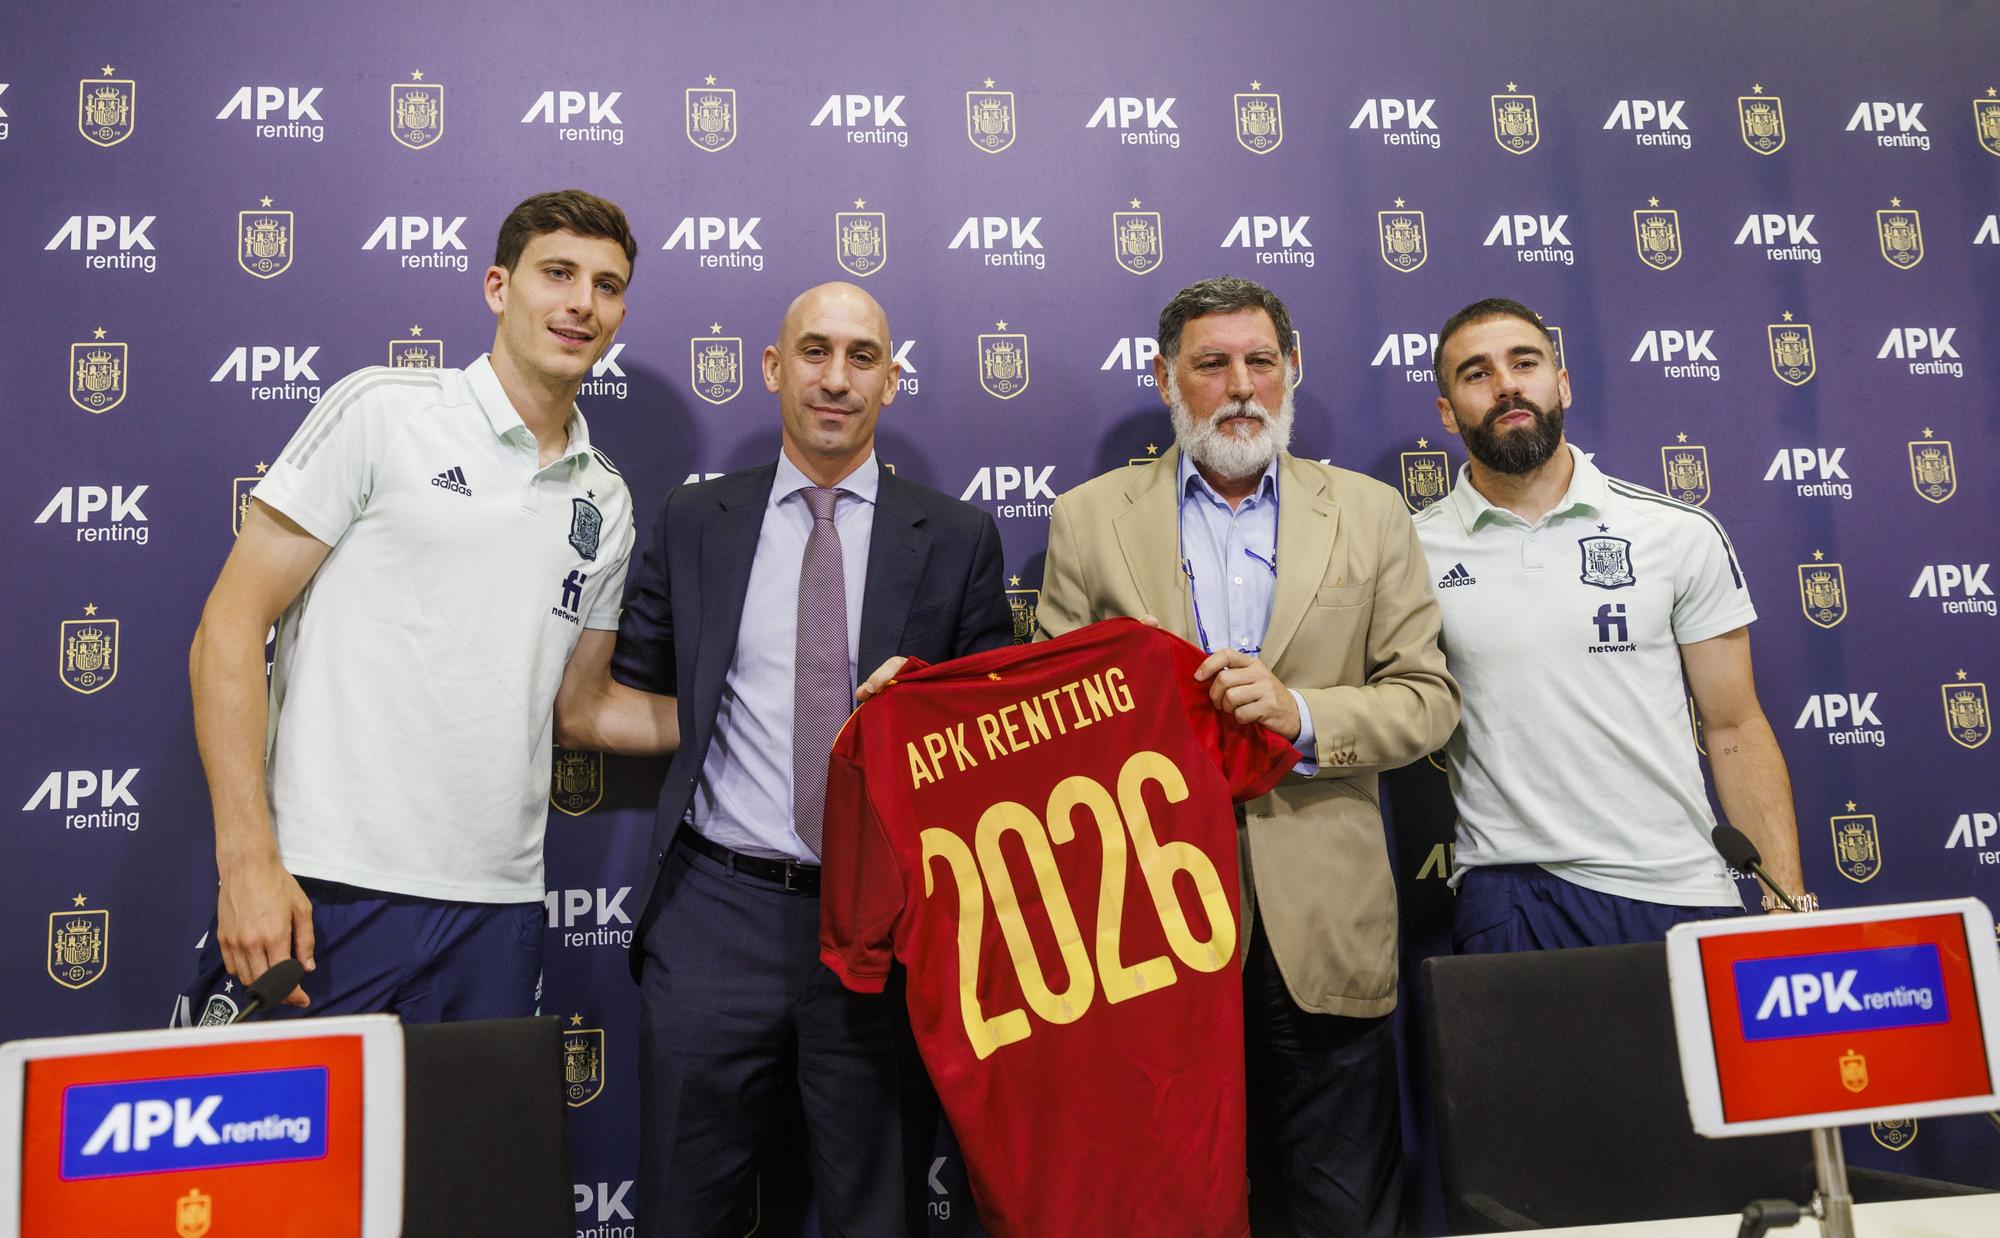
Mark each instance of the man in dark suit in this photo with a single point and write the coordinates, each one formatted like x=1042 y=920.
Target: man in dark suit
x=759 y=597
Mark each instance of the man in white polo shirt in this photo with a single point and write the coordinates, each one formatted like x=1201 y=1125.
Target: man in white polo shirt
x=1580 y=611
x=435 y=547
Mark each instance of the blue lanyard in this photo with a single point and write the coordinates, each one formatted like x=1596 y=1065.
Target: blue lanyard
x=1187 y=566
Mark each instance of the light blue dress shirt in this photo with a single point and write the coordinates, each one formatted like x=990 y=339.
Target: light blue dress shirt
x=1231 y=558
x=744 y=799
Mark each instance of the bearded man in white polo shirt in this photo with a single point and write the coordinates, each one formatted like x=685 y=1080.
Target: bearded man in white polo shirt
x=436 y=548
x=1580 y=611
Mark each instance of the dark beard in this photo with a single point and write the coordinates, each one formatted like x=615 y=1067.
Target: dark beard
x=1515 y=451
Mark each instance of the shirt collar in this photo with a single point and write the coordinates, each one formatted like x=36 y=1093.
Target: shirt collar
x=862 y=483
x=1193 y=483
x=1586 y=490
x=492 y=400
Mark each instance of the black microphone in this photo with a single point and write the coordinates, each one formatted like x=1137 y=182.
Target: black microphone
x=270 y=988
x=1742 y=856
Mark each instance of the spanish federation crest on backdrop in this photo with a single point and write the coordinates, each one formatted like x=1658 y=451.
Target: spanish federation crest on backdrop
x=193 y=1213
x=97 y=374
x=87 y=660
x=1986 y=123
x=1657 y=233
x=1823 y=592
x=1854 y=1071
x=576 y=781
x=239 y=501
x=1793 y=358
x=1426 y=476
x=1138 y=241
x=1933 y=471
x=416 y=352
x=416 y=112
x=990 y=119
x=79 y=945
x=711 y=116
x=715 y=365
x=1901 y=234
x=1517 y=125
x=1557 y=334
x=264 y=241
x=1260 y=120
x=1685 y=468
x=861 y=240
x=1894 y=1134
x=1857 y=845
x=583 y=1063
x=1021 y=605
x=1968 y=715
x=107 y=108
x=1761 y=120
x=1003 y=362
x=1298 y=360
x=1404 y=243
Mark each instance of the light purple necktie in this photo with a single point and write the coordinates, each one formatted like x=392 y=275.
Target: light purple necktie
x=822 y=688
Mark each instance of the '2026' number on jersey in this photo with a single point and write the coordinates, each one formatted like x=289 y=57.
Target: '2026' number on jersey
x=1158 y=862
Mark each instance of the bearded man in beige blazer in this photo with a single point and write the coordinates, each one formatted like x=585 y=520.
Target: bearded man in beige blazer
x=1308 y=586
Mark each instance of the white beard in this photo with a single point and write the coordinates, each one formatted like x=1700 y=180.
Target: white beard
x=1231 y=454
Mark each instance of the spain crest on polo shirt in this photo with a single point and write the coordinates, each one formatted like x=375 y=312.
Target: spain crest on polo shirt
x=1607 y=562
x=584 y=522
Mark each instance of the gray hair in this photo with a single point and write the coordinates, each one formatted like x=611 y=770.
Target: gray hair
x=1225 y=294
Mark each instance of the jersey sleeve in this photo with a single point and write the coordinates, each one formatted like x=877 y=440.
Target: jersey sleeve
x=325 y=475
x=860 y=889
x=1253 y=758
x=610 y=576
x=1710 y=596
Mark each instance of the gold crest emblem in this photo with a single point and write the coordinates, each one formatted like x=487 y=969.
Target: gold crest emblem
x=1657 y=234
x=1402 y=239
x=107 y=108
x=239 y=502
x=1685 y=468
x=79 y=945
x=1426 y=477
x=1761 y=119
x=861 y=240
x=711 y=116
x=1557 y=334
x=1793 y=358
x=416 y=112
x=1901 y=233
x=416 y=354
x=1021 y=604
x=1853 y=1071
x=1003 y=362
x=1986 y=123
x=1694 y=721
x=716 y=366
x=264 y=241
x=576 y=781
x=88 y=659
x=193 y=1213
x=1298 y=360
x=1517 y=125
x=989 y=119
x=1823 y=593
x=97 y=374
x=1857 y=845
x=1894 y=1134
x=1260 y=120
x=583 y=1064
x=1138 y=240
x=1933 y=471
x=1968 y=716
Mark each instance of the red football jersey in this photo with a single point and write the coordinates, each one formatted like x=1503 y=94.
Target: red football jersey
x=1043 y=836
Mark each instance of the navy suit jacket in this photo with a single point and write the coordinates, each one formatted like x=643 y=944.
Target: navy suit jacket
x=933 y=591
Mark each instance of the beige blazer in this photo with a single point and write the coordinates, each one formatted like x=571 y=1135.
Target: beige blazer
x=1354 y=628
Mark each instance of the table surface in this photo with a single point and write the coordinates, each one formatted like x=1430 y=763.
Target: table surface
x=1958 y=1216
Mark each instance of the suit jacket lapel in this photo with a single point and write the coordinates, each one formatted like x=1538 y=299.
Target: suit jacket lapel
x=1308 y=524
x=1148 y=534
x=898 y=548
x=728 y=547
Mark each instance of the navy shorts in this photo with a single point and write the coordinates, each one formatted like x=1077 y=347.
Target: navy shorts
x=422 y=959
x=1508 y=907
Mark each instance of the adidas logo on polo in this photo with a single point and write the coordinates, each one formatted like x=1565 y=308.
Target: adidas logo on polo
x=1457 y=576
x=452 y=478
